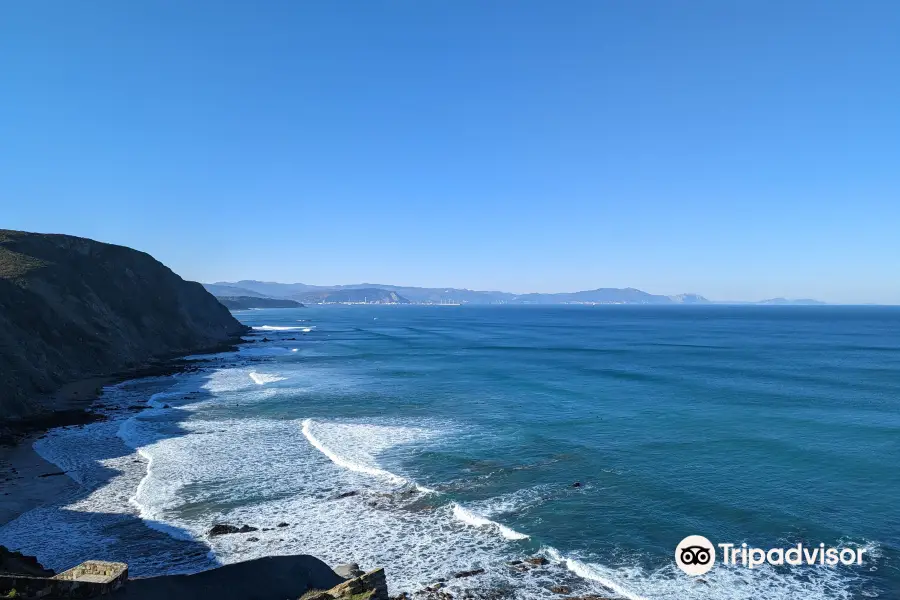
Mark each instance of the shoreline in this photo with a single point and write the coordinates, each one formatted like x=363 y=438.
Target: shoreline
x=28 y=480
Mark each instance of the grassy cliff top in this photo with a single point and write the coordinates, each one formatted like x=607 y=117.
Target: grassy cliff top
x=14 y=265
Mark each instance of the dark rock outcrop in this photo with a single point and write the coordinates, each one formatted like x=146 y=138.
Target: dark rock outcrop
x=269 y=578
x=468 y=573
x=368 y=586
x=343 y=495
x=349 y=570
x=225 y=529
x=72 y=308
x=16 y=563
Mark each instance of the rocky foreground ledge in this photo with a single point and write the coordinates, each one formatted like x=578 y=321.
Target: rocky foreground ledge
x=299 y=577
x=269 y=578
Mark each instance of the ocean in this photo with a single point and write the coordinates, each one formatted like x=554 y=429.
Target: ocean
x=434 y=440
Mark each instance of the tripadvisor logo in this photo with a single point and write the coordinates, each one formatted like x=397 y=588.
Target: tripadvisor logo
x=696 y=555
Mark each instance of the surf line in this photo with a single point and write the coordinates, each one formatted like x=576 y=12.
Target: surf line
x=151 y=518
x=476 y=520
x=464 y=515
x=343 y=462
x=585 y=571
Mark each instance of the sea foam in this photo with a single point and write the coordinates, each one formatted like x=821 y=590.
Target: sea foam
x=361 y=464
x=181 y=471
x=476 y=520
x=264 y=378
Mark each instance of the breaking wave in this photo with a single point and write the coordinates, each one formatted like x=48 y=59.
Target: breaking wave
x=475 y=520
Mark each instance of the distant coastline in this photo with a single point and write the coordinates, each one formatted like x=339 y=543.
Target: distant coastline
x=367 y=293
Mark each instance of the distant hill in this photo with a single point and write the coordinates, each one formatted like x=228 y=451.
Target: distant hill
x=598 y=296
x=420 y=295
x=360 y=295
x=269 y=288
x=231 y=291
x=72 y=307
x=246 y=302
x=305 y=292
x=787 y=302
x=689 y=299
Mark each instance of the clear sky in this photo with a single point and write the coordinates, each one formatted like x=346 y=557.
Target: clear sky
x=738 y=149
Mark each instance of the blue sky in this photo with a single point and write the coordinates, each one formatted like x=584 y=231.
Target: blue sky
x=741 y=150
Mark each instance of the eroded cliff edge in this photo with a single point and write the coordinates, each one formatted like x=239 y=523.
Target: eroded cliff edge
x=72 y=308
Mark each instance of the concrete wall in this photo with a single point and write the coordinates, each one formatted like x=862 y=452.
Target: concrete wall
x=88 y=580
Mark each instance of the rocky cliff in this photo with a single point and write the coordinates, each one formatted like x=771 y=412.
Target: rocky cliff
x=72 y=307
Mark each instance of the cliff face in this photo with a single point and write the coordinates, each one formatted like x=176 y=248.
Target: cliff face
x=72 y=307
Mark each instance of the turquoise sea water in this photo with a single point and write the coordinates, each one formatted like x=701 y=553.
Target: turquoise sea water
x=460 y=432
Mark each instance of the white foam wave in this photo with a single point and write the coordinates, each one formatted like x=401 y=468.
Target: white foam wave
x=158 y=400
x=517 y=501
x=151 y=515
x=593 y=573
x=142 y=437
x=476 y=520
x=264 y=378
x=721 y=583
x=279 y=328
x=97 y=519
x=347 y=463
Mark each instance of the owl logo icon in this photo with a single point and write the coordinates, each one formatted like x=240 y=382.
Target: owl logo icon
x=695 y=555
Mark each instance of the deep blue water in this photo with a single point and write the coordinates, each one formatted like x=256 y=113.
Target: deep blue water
x=462 y=430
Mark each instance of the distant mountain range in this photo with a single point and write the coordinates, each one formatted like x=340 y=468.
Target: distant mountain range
x=394 y=294
x=366 y=295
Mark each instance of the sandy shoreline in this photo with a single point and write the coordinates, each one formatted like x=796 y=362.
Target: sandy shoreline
x=25 y=478
x=29 y=481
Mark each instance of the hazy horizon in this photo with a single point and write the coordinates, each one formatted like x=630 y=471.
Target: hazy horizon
x=734 y=150
x=236 y=283
x=169 y=262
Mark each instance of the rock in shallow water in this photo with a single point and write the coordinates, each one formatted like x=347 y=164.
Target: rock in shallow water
x=469 y=573
x=348 y=571
x=345 y=495
x=225 y=529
